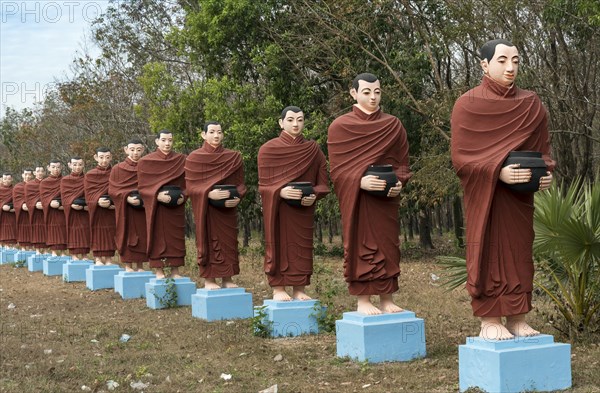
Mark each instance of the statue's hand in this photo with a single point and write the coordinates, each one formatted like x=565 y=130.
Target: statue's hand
x=290 y=193
x=232 y=202
x=163 y=197
x=216 y=195
x=395 y=191
x=512 y=174
x=54 y=204
x=546 y=181
x=103 y=202
x=5 y=208
x=134 y=201
x=372 y=183
x=24 y=207
x=308 y=200
x=181 y=199
x=38 y=205
x=76 y=207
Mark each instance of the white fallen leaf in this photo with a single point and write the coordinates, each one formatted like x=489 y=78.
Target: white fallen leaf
x=229 y=323
x=86 y=388
x=12 y=306
x=168 y=379
x=124 y=338
x=366 y=386
x=139 y=385
x=47 y=351
x=225 y=377
x=94 y=341
x=434 y=277
x=111 y=385
x=278 y=358
x=242 y=354
x=271 y=389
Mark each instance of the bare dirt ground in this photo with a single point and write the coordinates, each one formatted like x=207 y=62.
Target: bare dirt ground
x=61 y=336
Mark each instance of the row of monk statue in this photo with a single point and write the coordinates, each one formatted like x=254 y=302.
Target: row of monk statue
x=137 y=206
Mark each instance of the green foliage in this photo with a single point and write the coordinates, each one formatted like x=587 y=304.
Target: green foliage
x=567 y=250
x=21 y=263
x=454 y=274
x=260 y=324
x=325 y=320
x=169 y=299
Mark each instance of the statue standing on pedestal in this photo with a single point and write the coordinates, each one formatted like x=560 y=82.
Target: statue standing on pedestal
x=34 y=207
x=21 y=213
x=288 y=211
x=215 y=213
x=76 y=210
x=131 y=235
x=8 y=221
x=101 y=208
x=367 y=136
x=54 y=216
x=488 y=122
x=161 y=182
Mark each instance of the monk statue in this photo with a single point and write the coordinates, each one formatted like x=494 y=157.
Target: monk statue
x=76 y=210
x=288 y=209
x=8 y=221
x=364 y=137
x=101 y=208
x=131 y=218
x=161 y=183
x=488 y=122
x=36 y=213
x=54 y=216
x=21 y=213
x=207 y=169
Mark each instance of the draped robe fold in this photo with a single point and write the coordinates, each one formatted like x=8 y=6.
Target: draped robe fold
x=289 y=229
x=487 y=123
x=8 y=220
x=216 y=227
x=22 y=216
x=78 y=221
x=165 y=225
x=102 y=220
x=36 y=216
x=369 y=223
x=56 y=226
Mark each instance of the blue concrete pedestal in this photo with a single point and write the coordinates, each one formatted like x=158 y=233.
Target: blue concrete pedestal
x=8 y=255
x=35 y=262
x=53 y=266
x=225 y=303
x=159 y=292
x=532 y=364
x=22 y=256
x=132 y=285
x=74 y=270
x=396 y=337
x=101 y=276
x=290 y=319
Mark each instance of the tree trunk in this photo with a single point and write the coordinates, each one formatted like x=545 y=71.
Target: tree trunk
x=440 y=222
x=247 y=233
x=425 y=229
x=319 y=230
x=409 y=227
x=458 y=222
x=330 y=234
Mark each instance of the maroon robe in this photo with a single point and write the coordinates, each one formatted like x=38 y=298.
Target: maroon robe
x=23 y=225
x=131 y=222
x=78 y=221
x=102 y=220
x=36 y=216
x=8 y=221
x=370 y=223
x=289 y=229
x=165 y=225
x=216 y=227
x=488 y=122
x=56 y=226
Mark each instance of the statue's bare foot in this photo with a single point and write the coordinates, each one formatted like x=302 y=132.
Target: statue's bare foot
x=366 y=307
x=228 y=283
x=210 y=283
x=299 y=294
x=516 y=325
x=493 y=329
x=280 y=294
x=99 y=263
x=387 y=304
x=175 y=272
x=160 y=274
x=129 y=268
x=140 y=269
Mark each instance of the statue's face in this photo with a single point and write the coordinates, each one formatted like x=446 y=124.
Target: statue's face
x=213 y=135
x=165 y=143
x=40 y=172
x=103 y=158
x=134 y=151
x=504 y=65
x=292 y=123
x=54 y=168
x=27 y=176
x=368 y=95
x=76 y=166
x=7 y=180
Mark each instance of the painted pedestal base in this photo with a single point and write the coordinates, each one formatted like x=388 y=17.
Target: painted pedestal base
x=132 y=285
x=532 y=364
x=74 y=270
x=22 y=256
x=8 y=255
x=53 y=266
x=160 y=292
x=101 y=276
x=396 y=337
x=291 y=319
x=35 y=262
x=225 y=303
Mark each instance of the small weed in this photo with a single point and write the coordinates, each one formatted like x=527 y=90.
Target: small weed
x=261 y=326
x=18 y=263
x=325 y=320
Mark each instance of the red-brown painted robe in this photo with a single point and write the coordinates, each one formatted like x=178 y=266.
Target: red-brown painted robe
x=102 y=220
x=8 y=221
x=216 y=227
x=36 y=216
x=22 y=217
x=56 y=226
x=165 y=225
x=289 y=229
x=370 y=223
x=78 y=221
x=488 y=122
x=131 y=222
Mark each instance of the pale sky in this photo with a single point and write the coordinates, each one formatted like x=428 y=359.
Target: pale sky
x=38 y=41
